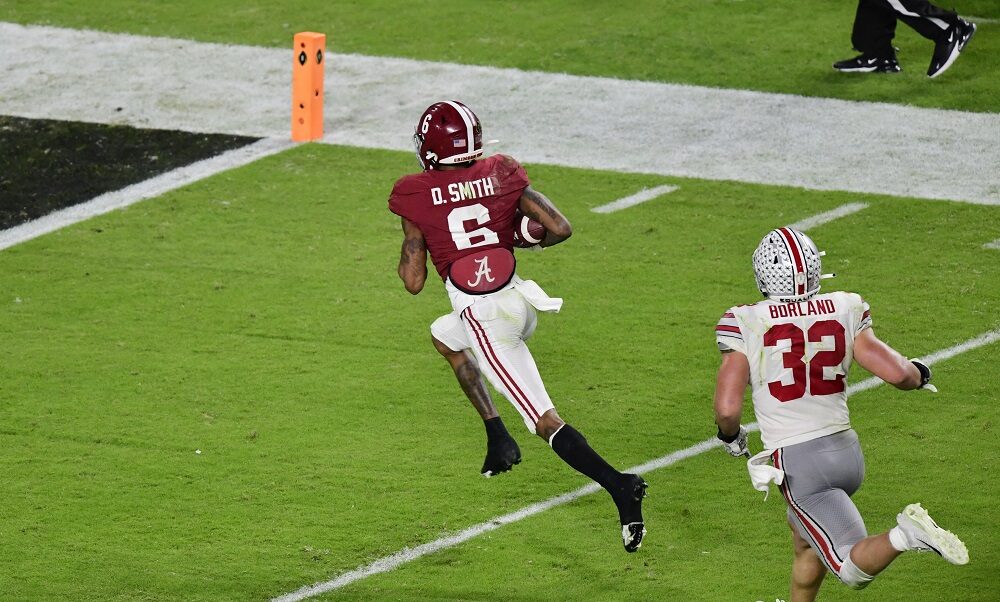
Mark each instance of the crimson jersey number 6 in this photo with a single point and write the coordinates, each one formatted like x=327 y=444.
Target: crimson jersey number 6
x=813 y=382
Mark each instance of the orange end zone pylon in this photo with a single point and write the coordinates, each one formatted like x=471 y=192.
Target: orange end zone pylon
x=307 y=86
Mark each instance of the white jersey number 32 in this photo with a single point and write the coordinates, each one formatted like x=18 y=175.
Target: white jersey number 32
x=809 y=379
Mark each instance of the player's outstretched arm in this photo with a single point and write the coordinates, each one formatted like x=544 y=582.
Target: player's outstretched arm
x=886 y=363
x=732 y=381
x=538 y=207
x=413 y=258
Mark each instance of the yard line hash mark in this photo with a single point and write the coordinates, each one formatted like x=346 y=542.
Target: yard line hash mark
x=829 y=216
x=992 y=245
x=646 y=194
x=394 y=561
x=140 y=191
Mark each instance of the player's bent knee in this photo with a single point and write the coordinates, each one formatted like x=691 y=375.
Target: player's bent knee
x=548 y=424
x=441 y=347
x=448 y=334
x=852 y=576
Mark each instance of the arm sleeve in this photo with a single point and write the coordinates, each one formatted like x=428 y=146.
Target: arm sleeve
x=728 y=334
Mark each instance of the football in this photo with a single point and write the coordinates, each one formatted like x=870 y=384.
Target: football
x=527 y=232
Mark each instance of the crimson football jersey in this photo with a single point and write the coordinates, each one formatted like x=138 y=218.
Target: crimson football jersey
x=462 y=211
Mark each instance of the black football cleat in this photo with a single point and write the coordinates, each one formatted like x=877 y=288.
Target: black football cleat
x=868 y=64
x=501 y=455
x=948 y=49
x=628 y=498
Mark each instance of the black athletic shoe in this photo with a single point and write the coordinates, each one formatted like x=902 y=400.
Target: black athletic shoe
x=628 y=498
x=632 y=535
x=948 y=49
x=868 y=64
x=501 y=454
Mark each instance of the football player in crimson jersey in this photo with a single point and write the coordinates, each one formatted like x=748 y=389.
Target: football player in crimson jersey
x=794 y=349
x=460 y=209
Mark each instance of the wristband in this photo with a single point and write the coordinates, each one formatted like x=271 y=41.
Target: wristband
x=727 y=439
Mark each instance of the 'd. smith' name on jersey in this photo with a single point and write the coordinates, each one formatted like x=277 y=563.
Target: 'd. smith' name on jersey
x=799 y=355
x=460 y=191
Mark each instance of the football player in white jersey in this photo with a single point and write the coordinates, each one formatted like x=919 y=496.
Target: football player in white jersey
x=794 y=349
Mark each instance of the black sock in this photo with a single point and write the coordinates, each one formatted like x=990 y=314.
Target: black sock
x=573 y=448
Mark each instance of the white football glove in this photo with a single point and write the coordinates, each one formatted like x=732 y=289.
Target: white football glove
x=737 y=445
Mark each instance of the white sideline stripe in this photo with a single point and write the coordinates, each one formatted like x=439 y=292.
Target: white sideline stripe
x=992 y=245
x=829 y=216
x=394 y=561
x=646 y=194
x=664 y=129
x=152 y=187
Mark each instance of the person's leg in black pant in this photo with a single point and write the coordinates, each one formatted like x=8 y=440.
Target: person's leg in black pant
x=930 y=21
x=874 y=28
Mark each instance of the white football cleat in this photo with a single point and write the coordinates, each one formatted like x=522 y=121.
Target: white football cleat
x=923 y=535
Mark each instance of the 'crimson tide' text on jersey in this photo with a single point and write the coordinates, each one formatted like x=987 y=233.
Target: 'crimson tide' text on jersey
x=799 y=355
x=462 y=211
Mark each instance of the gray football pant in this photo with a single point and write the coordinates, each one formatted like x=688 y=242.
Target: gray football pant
x=820 y=477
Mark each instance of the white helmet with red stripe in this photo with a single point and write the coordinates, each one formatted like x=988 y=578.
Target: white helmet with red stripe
x=787 y=265
x=448 y=133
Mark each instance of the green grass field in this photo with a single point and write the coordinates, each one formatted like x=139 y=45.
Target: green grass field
x=226 y=394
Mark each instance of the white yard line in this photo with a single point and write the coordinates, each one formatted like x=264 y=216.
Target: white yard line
x=829 y=216
x=992 y=245
x=979 y=20
x=374 y=102
x=406 y=555
x=143 y=190
x=394 y=561
x=982 y=340
x=646 y=194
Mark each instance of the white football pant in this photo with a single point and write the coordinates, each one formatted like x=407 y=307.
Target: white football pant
x=495 y=327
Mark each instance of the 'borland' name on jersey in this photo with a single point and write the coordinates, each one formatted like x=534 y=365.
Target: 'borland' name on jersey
x=812 y=307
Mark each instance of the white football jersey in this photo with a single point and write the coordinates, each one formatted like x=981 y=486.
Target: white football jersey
x=799 y=355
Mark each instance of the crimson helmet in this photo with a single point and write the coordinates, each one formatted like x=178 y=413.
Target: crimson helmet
x=448 y=133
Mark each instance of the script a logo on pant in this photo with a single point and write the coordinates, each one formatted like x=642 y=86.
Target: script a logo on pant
x=482 y=272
